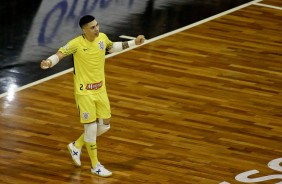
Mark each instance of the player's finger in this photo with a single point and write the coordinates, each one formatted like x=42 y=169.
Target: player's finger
x=142 y=40
x=44 y=65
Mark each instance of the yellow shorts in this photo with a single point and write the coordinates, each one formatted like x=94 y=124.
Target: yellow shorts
x=94 y=106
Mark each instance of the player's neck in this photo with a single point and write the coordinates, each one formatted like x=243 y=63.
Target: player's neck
x=90 y=39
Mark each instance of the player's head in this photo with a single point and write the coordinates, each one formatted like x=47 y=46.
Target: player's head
x=89 y=26
x=85 y=20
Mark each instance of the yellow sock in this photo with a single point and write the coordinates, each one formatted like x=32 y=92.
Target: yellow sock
x=80 y=141
x=92 y=152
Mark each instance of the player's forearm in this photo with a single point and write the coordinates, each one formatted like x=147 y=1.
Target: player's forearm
x=54 y=59
x=119 y=46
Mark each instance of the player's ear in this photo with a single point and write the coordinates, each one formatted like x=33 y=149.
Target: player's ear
x=83 y=30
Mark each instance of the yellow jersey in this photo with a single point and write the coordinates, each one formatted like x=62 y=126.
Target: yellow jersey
x=89 y=62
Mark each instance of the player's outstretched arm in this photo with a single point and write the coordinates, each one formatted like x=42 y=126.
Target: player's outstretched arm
x=51 y=61
x=119 y=46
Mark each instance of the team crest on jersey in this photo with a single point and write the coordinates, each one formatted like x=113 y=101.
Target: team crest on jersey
x=101 y=45
x=86 y=115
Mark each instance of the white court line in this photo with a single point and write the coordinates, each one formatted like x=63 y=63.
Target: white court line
x=146 y=42
x=127 y=37
x=268 y=6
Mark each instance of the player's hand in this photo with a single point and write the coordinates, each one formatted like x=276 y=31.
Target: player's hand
x=140 y=40
x=45 y=64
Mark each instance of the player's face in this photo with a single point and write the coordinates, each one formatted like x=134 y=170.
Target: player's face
x=91 y=30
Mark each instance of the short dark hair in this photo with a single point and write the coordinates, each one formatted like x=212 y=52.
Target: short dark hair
x=85 y=20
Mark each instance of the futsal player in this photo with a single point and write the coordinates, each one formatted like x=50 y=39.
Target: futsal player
x=88 y=50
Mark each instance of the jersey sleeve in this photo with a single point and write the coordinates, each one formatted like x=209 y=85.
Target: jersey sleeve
x=109 y=43
x=69 y=48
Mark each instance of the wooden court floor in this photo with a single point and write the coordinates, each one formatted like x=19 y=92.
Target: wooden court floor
x=201 y=106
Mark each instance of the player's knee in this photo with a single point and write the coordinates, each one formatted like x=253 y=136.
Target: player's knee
x=90 y=132
x=103 y=125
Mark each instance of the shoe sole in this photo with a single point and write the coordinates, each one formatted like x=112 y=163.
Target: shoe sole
x=101 y=175
x=70 y=151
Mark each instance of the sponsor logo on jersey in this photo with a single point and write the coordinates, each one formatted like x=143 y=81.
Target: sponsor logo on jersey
x=94 y=86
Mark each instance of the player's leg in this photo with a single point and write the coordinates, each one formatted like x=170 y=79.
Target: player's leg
x=90 y=134
x=103 y=113
x=86 y=116
x=103 y=126
x=79 y=143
